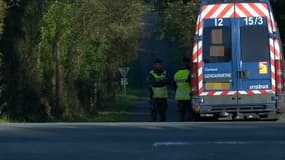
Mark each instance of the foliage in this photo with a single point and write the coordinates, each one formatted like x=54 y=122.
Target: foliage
x=117 y=109
x=2 y=14
x=178 y=22
x=179 y=18
x=61 y=57
x=20 y=98
x=279 y=13
x=115 y=41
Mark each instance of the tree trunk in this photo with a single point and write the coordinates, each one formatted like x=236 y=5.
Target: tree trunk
x=58 y=105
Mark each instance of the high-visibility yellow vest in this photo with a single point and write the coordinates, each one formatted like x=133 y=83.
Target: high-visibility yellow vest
x=159 y=92
x=183 y=91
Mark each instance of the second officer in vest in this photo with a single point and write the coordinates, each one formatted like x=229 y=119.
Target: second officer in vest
x=158 y=82
x=183 y=91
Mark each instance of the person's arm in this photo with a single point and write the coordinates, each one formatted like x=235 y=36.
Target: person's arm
x=174 y=82
x=151 y=81
x=165 y=81
x=189 y=82
x=175 y=86
x=150 y=93
x=157 y=83
x=189 y=77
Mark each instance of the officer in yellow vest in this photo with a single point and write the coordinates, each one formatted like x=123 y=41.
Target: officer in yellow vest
x=183 y=91
x=158 y=82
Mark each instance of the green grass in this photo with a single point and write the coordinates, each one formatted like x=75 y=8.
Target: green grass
x=4 y=120
x=117 y=110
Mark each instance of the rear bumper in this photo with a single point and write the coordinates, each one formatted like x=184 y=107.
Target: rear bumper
x=236 y=109
x=240 y=112
x=256 y=103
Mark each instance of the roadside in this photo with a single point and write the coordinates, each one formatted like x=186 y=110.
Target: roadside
x=117 y=110
x=282 y=118
x=152 y=47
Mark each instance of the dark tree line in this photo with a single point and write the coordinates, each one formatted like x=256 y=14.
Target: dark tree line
x=60 y=57
x=279 y=13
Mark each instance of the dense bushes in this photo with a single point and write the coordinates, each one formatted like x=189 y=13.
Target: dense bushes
x=60 y=58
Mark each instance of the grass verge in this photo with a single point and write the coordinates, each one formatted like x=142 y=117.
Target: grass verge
x=115 y=110
x=4 y=121
x=118 y=110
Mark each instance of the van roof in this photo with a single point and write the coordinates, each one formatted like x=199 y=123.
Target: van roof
x=231 y=1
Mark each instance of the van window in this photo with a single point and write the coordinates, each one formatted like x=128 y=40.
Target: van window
x=254 y=43
x=216 y=44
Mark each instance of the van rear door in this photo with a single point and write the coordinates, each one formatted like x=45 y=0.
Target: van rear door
x=253 y=69
x=218 y=61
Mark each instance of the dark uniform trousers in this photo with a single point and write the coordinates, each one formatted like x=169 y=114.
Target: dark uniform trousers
x=186 y=111
x=159 y=106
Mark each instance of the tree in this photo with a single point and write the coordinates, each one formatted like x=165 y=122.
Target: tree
x=178 y=22
x=57 y=38
x=279 y=13
x=2 y=15
x=87 y=34
x=21 y=34
x=60 y=57
x=110 y=33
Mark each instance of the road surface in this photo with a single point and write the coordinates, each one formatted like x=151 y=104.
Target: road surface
x=143 y=141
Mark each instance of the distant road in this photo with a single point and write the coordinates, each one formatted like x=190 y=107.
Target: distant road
x=143 y=141
x=152 y=47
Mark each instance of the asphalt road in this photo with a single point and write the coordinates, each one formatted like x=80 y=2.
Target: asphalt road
x=139 y=141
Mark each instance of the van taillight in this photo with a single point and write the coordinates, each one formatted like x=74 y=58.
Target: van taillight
x=279 y=77
x=194 y=79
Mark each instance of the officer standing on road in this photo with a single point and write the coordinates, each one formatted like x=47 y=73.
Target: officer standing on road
x=183 y=91
x=159 y=82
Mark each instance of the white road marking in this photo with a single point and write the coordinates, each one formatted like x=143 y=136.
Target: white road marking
x=160 y=144
x=173 y=144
